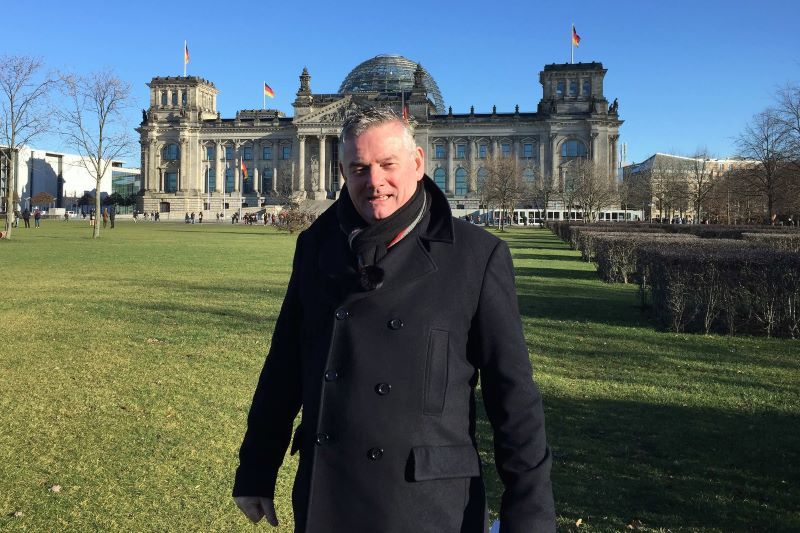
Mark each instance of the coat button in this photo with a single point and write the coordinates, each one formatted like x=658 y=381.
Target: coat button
x=383 y=388
x=331 y=375
x=395 y=323
x=342 y=313
x=322 y=438
x=375 y=454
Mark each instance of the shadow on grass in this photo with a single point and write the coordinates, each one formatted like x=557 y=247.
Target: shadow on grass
x=667 y=466
x=557 y=273
x=547 y=257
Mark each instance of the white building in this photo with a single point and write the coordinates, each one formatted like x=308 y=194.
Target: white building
x=63 y=176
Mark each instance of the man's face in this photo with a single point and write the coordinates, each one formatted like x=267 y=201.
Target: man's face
x=381 y=170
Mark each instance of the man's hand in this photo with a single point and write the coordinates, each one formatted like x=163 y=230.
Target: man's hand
x=254 y=507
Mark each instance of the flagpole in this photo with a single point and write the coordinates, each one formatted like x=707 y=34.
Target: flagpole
x=264 y=96
x=184 y=58
x=572 y=45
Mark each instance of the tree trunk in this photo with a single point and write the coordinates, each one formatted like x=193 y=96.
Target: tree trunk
x=11 y=183
x=97 y=215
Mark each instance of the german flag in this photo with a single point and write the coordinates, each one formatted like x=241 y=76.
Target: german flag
x=244 y=171
x=268 y=90
x=576 y=39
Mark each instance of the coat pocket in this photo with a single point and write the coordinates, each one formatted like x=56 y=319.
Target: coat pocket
x=444 y=462
x=436 y=372
x=296 y=441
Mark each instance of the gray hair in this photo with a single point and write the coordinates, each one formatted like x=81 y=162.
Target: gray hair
x=360 y=120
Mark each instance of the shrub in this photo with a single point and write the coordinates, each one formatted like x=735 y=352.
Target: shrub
x=729 y=286
x=615 y=253
x=787 y=242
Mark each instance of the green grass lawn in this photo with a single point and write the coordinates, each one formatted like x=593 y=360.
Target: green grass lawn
x=127 y=365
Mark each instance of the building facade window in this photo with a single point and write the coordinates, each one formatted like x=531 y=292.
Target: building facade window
x=211 y=180
x=573 y=148
x=170 y=152
x=461 y=151
x=482 y=149
x=174 y=97
x=247 y=183
x=266 y=180
x=286 y=152
x=438 y=151
x=528 y=175
x=481 y=175
x=461 y=181
x=247 y=153
x=527 y=150
x=229 y=180
x=211 y=153
x=560 y=88
x=266 y=152
x=228 y=153
x=171 y=182
x=505 y=149
x=573 y=88
x=587 y=88
x=163 y=98
x=439 y=178
x=183 y=98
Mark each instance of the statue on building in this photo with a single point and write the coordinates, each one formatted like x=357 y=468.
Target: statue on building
x=314 y=173
x=613 y=107
x=144 y=116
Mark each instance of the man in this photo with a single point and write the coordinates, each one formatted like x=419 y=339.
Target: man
x=394 y=310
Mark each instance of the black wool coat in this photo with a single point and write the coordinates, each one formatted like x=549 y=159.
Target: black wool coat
x=386 y=381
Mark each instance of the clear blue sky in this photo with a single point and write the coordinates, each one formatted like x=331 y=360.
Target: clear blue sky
x=687 y=73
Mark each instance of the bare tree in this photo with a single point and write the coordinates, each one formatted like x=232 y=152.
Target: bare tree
x=700 y=174
x=594 y=190
x=636 y=190
x=503 y=185
x=789 y=113
x=542 y=192
x=668 y=184
x=567 y=187
x=766 y=140
x=24 y=114
x=93 y=124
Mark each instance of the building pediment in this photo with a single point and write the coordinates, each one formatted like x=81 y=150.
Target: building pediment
x=330 y=115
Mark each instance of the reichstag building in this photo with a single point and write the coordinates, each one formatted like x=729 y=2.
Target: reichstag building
x=193 y=159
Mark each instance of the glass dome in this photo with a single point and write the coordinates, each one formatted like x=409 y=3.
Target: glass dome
x=389 y=74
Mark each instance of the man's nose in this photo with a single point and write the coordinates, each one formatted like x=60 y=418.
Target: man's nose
x=376 y=176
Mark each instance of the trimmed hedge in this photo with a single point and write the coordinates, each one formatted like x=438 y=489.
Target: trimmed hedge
x=787 y=242
x=616 y=253
x=730 y=286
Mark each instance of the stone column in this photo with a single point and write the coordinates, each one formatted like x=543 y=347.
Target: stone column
x=323 y=164
x=540 y=151
x=612 y=147
x=553 y=159
x=256 y=172
x=473 y=165
x=593 y=147
x=274 y=179
x=237 y=162
x=218 y=172
x=183 y=175
x=152 y=167
x=301 y=163
x=517 y=151
x=451 y=172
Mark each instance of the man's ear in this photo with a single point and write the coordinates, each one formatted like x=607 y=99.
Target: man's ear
x=419 y=162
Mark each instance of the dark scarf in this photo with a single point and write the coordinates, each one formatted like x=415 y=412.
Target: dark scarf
x=371 y=242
